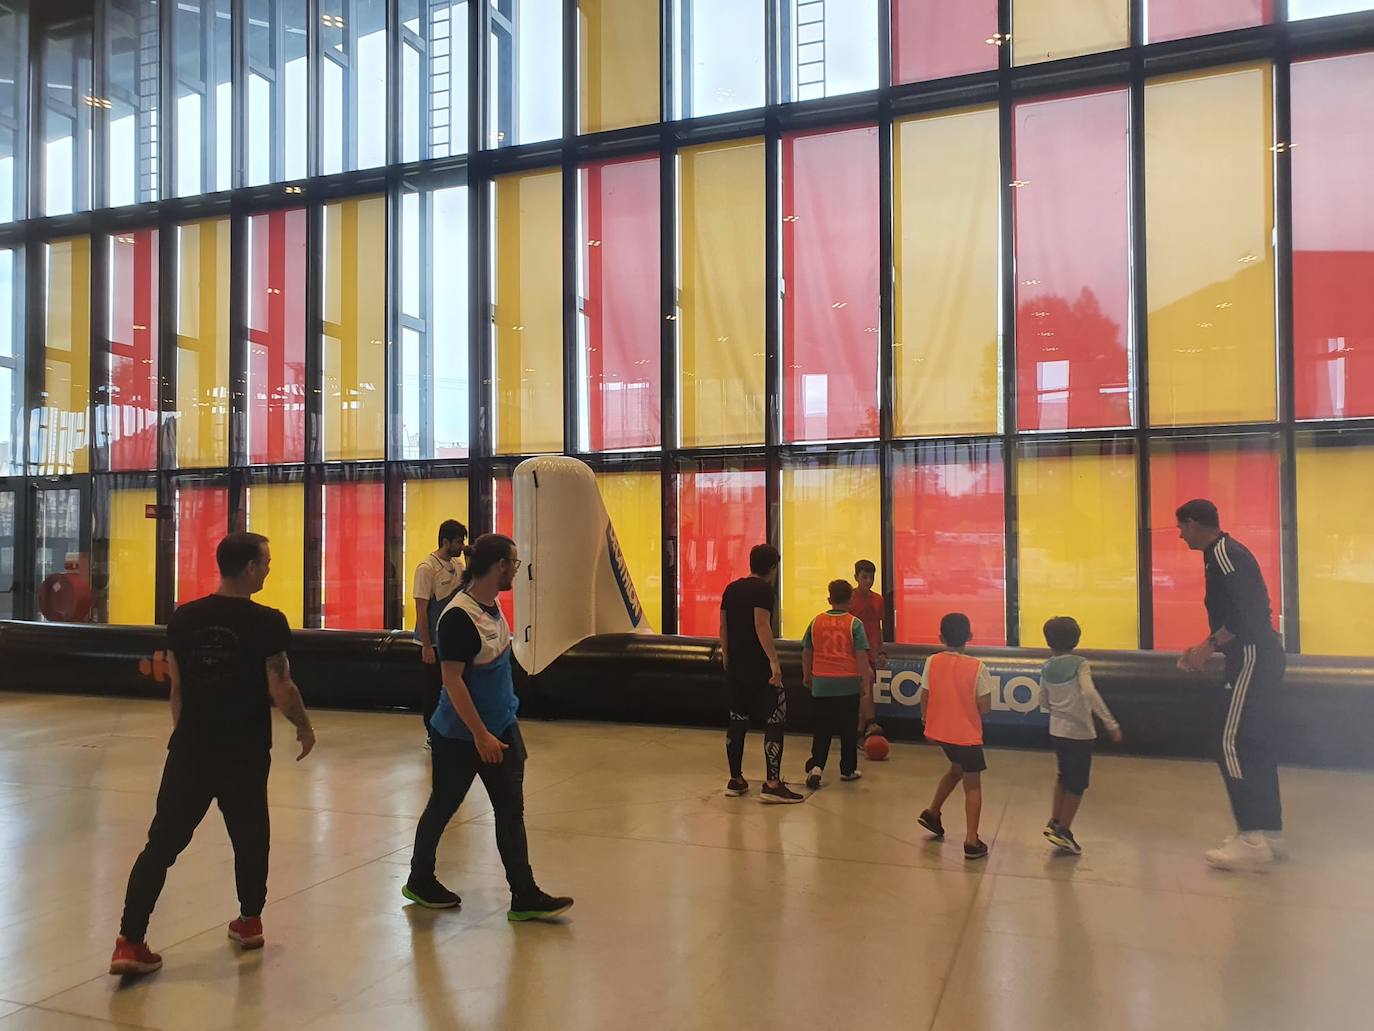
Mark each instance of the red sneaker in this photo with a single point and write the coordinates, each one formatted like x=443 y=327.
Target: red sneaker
x=247 y=931
x=133 y=958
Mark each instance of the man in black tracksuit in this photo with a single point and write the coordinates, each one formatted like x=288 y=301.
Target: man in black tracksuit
x=1240 y=619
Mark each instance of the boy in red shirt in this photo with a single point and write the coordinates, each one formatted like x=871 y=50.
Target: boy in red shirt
x=956 y=692
x=867 y=605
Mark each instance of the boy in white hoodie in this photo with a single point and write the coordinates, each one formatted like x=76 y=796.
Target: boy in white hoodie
x=1066 y=686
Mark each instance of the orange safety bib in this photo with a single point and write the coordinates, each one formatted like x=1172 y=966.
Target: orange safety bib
x=951 y=683
x=832 y=646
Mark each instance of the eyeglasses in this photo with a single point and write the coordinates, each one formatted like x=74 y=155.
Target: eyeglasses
x=515 y=563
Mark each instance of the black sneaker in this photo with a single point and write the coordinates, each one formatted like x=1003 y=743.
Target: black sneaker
x=1055 y=834
x=813 y=777
x=852 y=775
x=1068 y=842
x=978 y=851
x=430 y=894
x=538 y=905
x=931 y=822
x=737 y=786
x=780 y=794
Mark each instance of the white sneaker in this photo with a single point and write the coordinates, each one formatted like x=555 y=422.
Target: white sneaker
x=1240 y=853
x=856 y=775
x=1276 y=845
x=813 y=777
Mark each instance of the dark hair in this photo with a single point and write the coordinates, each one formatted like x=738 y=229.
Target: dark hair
x=865 y=566
x=841 y=591
x=236 y=551
x=452 y=530
x=955 y=629
x=1062 y=633
x=763 y=559
x=1200 y=511
x=486 y=551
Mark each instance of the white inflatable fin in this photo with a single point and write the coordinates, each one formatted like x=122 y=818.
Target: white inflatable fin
x=574 y=583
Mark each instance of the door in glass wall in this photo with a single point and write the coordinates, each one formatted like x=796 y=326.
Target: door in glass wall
x=8 y=532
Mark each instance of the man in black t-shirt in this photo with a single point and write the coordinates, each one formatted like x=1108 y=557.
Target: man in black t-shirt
x=753 y=677
x=228 y=667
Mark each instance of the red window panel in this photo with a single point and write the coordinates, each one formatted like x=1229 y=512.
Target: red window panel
x=948 y=513
x=830 y=272
x=1333 y=237
x=1177 y=19
x=721 y=516
x=1244 y=485
x=276 y=337
x=202 y=522
x=932 y=39
x=620 y=303
x=354 y=555
x=1073 y=353
x=505 y=523
x=133 y=404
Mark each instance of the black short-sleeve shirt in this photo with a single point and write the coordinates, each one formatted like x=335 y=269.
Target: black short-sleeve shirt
x=743 y=652
x=458 y=638
x=221 y=646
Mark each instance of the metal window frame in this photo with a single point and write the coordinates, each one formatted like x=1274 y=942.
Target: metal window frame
x=1279 y=42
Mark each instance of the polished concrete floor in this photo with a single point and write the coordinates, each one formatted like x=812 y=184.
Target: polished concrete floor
x=693 y=910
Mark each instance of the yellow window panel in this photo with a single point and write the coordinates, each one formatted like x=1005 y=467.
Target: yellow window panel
x=830 y=520
x=1209 y=195
x=133 y=557
x=427 y=504
x=277 y=511
x=619 y=62
x=527 y=313
x=203 y=267
x=61 y=434
x=1076 y=511
x=722 y=357
x=634 y=501
x=354 y=309
x=1048 y=30
x=1335 y=548
x=945 y=252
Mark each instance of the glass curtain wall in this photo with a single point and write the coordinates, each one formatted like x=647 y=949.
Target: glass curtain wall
x=274 y=264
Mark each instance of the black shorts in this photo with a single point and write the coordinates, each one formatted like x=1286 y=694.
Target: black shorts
x=1075 y=762
x=751 y=696
x=968 y=758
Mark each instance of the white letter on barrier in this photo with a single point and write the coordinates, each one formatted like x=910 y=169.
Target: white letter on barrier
x=1032 y=700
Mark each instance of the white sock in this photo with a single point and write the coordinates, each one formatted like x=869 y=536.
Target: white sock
x=1252 y=837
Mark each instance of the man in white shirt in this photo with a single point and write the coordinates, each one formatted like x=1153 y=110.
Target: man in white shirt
x=437 y=579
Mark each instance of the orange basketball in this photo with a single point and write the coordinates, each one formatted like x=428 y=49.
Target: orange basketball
x=876 y=748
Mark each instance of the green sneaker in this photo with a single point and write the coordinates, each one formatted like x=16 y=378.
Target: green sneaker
x=538 y=905
x=430 y=894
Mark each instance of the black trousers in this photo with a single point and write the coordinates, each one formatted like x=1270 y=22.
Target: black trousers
x=433 y=688
x=836 y=716
x=455 y=764
x=748 y=693
x=191 y=780
x=1250 y=734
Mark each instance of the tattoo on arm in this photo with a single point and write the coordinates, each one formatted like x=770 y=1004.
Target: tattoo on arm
x=284 y=690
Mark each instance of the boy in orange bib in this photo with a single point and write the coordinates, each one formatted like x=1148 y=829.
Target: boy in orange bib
x=835 y=667
x=956 y=691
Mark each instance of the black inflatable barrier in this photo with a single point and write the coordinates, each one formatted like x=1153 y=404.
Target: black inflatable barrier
x=1328 y=710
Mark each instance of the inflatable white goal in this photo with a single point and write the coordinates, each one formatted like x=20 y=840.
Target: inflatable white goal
x=574 y=583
